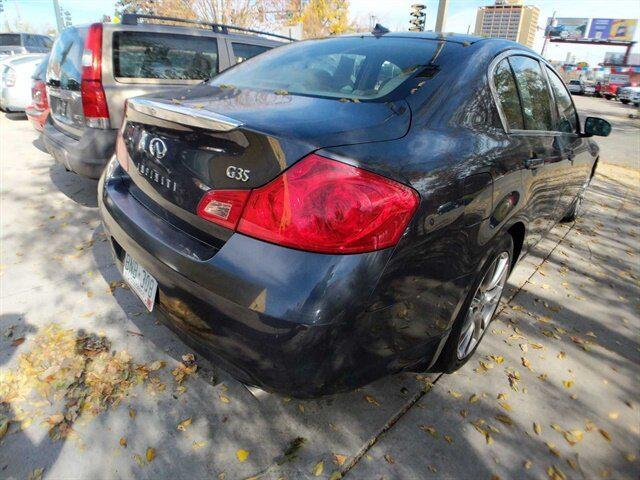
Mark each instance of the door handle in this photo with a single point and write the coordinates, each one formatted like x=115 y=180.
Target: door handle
x=533 y=163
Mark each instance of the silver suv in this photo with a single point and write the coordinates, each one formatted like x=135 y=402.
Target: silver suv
x=94 y=68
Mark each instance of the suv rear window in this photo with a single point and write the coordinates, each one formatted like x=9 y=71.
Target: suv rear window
x=65 y=64
x=10 y=39
x=350 y=67
x=164 y=56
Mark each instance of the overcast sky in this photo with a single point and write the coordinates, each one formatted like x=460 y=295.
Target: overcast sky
x=394 y=14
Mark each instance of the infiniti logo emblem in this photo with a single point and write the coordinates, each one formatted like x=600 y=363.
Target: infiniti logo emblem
x=157 y=148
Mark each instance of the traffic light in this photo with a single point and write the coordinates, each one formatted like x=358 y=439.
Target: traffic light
x=417 y=17
x=67 y=18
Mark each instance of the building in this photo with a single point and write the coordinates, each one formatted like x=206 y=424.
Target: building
x=509 y=19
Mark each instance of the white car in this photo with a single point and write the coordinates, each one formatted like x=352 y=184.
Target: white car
x=629 y=95
x=15 y=81
x=589 y=89
x=576 y=87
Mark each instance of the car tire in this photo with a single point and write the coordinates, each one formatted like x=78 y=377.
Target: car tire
x=467 y=331
x=624 y=101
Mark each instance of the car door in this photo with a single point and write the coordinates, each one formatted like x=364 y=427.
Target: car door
x=577 y=161
x=543 y=155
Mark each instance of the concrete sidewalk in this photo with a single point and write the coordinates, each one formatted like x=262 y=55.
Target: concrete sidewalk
x=59 y=289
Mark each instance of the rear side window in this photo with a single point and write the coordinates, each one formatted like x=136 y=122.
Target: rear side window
x=567 y=116
x=164 y=56
x=244 y=51
x=65 y=64
x=534 y=94
x=508 y=95
x=10 y=40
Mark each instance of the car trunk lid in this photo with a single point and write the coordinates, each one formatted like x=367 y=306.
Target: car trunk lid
x=209 y=138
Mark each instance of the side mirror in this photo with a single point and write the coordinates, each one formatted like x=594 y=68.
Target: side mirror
x=596 y=126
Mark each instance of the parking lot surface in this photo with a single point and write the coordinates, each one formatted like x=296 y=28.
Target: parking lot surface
x=94 y=387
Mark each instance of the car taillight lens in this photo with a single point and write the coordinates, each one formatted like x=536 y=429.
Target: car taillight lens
x=9 y=77
x=318 y=205
x=39 y=95
x=223 y=207
x=94 y=101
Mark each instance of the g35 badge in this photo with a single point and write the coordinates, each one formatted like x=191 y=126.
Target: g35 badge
x=238 y=173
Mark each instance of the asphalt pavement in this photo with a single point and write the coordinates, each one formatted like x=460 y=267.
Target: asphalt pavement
x=92 y=386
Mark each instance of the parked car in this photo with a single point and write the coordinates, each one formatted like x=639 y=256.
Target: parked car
x=629 y=95
x=87 y=90
x=589 y=89
x=576 y=87
x=15 y=81
x=341 y=209
x=38 y=111
x=17 y=43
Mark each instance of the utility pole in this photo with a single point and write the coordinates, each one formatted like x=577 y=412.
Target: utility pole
x=56 y=8
x=547 y=33
x=443 y=6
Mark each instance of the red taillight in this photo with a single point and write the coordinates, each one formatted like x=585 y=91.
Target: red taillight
x=39 y=95
x=94 y=101
x=223 y=207
x=325 y=206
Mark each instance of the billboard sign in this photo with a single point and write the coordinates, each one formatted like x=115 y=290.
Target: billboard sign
x=614 y=58
x=613 y=29
x=567 y=28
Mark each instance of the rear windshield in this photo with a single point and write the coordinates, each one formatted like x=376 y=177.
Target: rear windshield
x=9 y=39
x=347 y=67
x=574 y=82
x=41 y=70
x=164 y=56
x=65 y=63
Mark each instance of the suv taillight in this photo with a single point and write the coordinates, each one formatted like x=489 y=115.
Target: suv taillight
x=318 y=205
x=39 y=95
x=94 y=101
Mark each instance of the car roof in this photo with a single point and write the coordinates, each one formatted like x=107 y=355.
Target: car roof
x=187 y=29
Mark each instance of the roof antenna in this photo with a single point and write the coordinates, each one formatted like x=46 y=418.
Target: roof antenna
x=379 y=30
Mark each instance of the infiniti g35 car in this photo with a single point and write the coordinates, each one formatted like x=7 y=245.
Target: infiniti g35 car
x=337 y=210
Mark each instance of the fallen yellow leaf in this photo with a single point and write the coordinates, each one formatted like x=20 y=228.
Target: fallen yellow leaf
x=340 y=459
x=536 y=428
x=224 y=399
x=123 y=442
x=605 y=434
x=184 y=424
x=318 y=469
x=242 y=455
x=151 y=454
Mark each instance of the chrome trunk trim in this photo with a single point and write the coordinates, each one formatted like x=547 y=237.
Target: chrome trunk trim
x=185 y=115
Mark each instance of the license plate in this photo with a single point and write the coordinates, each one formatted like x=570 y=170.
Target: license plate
x=140 y=281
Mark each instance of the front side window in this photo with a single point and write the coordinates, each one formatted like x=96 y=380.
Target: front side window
x=508 y=95
x=567 y=116
x=245 y=51
x=362 y=68
x=534 y=93
x=164 y=56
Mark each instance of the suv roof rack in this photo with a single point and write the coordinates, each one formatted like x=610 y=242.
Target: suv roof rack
x=134 y=18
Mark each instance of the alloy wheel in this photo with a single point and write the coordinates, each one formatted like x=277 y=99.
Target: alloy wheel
x=484 y=304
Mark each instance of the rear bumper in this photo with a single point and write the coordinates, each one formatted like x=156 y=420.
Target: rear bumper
x=288 y=321
x=87 y=155
x=37 y=117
